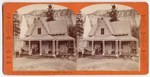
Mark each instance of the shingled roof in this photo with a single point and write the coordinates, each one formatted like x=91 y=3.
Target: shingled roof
x=121 y=27
x=116 y=28
x=56 y=30
x=52 y=27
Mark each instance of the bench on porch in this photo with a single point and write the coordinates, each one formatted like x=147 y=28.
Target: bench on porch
x=86 y=52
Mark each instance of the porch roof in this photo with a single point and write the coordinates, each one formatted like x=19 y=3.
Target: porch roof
x=37 y=38
x=101 y=38
x=63 y=38
x=126 y=38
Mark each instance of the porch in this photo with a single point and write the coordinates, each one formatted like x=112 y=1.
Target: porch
x=110 y=46
x=39 y=45
x=52 y=46
x=65 y=45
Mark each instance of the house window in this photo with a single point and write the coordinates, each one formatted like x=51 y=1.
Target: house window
x=39 y=30
x=102 y=31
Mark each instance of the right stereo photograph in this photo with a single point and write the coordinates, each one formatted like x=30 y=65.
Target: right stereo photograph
x=109 y=38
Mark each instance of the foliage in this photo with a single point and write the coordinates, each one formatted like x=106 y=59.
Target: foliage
x=72 y=31
x=113 y=14
x=50 y=13
x=76 y=30
x=135 y=31
x=16 y=24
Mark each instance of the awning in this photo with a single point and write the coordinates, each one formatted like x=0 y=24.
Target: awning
x=126 y=38
x=37 y=38
x=101 y=38
x=63 y=38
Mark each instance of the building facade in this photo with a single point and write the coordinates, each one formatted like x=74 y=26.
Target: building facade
x=110 y=38
x=48 y=38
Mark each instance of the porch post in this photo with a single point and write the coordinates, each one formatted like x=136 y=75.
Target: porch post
x=103 y=47
x=30 y=51
x=83 y=48
x=75 y=53
x=116 y=49
x=92 y=47
x=40 y=47
x=120 y=52
x=53 y=49
x=56 y=47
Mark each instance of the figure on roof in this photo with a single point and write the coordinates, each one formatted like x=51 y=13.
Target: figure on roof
x=50 y=13
x=113 y=14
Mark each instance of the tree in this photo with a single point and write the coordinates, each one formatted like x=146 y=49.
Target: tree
x=135 y=32
x=72 y=31
x=79 y=25
x=50 y=13
x=79 y=30
x=16 y=24
x=113 y=14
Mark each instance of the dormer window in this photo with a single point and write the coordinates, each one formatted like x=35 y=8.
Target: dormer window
x=102 y=31
x=39 y=31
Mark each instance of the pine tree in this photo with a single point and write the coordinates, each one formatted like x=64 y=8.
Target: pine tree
x=16 y=24
x=79 y=29
x=79 y=25
x=113 y=14
x=50 y=13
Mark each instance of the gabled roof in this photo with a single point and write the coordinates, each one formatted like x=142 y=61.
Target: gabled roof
x=116 y=27
x=52 y=27
x=32 y=26
x=95 y=27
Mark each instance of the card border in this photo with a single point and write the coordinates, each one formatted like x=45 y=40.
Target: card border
x=9 y=8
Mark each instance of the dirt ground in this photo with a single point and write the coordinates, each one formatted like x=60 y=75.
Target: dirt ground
x=88 y=64
x=107 y=64
x=43 y=64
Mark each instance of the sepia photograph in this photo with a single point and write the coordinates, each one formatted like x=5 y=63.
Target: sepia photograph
x=42 y=39
x=101 y=37
x=110 y=40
